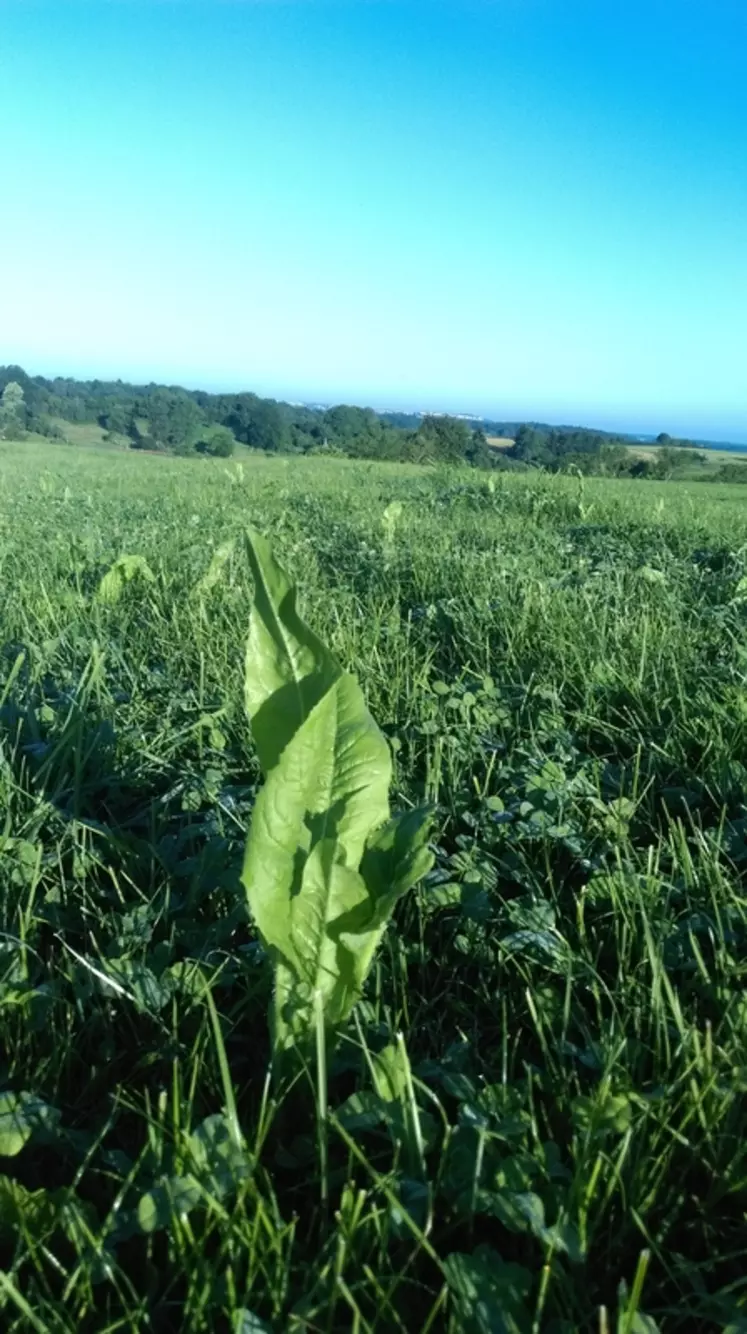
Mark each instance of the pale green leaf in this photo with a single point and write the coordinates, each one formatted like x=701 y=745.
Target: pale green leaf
x=174 y=1197
x=219 y=559
x=220 y=1163
x=488 y=1296
x=288 y=670
x=21 y=1115
x=391 y=1072
x=324 y=866
x=124 y=570
x=246 y=1322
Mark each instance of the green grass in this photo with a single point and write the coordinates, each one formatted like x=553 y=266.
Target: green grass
x=89 y=435
x=86 y=435
x=561 y=668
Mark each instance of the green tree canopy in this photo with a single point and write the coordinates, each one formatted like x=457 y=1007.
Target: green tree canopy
x=117 y=419
x=357 y=431
x=446 y=439
x=218 y=441
x=479 y=453
x=12 y=411
x=258 y=422
x=174 y=419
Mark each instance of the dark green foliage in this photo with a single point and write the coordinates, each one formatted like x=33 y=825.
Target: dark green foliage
x=118 y=419
x=552 y=447
x=52 y=430
x=173 y=419
x=255 y=421
x=444 y=439
x=478 y=452
x=731 y=472
x=218 y=441
x=594 y=452
x=361 y=433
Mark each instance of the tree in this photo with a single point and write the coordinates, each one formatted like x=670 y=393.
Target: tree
x=266 y=428
x=360 y=433
x=531 y=446
x=33 y=396
x=217 y=441
x=174 y=419
x=258 y=422
x=479 y=453
x=117 y=419
x=446 y=439
x=12 y=411
x=663 y=438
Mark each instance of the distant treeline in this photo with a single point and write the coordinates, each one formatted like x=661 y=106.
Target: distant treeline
x=577 y=449
x=181 y=421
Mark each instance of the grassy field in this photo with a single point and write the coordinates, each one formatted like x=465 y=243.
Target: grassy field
x=86 y=435
x=714 y=460
x=561 y=670
x=89 y=435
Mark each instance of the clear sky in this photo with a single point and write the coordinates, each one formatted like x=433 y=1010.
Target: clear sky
x=532 y=208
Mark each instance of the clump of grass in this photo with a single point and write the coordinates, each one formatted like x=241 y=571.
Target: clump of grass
x=535 y=1118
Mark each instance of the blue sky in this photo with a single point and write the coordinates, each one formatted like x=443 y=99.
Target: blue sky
x=533 y=208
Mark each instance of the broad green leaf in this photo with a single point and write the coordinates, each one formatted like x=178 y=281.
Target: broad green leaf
x=140 y=983
x=604 y=1113
x=246 y=1322
x=364 y=1110
x=444 y=896
x=219 y=1162
x=488 y=1296
x=220 y=557
x=123 y=571
x=651 y=575
x=324 y=864
x=288 y=670
x=391 y=514
x=392 y=1077
x=173 y=1197
x=21 y=1116
x=391 y=1072
x=188 y=977
x=519 y=1211
x=413 y=1205
x=389 y=521
x=644 y=1324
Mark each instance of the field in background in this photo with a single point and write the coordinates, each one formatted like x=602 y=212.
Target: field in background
x=90 y=435
x=85 y=435
x=713 y=460
x=561 y=669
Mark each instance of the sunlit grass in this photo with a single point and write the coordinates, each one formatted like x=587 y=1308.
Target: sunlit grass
x=561 y=668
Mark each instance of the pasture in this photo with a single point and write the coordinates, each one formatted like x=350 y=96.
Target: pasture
x=560 y=669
